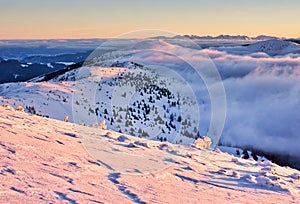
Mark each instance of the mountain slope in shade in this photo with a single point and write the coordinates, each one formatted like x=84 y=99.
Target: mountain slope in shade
x=44 y=161
x=61 y=58
x=15 y=71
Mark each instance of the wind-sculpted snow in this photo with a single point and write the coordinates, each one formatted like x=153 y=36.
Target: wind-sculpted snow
x=44 y=161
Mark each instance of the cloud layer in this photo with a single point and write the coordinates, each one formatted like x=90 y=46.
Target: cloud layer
x=263 y=100
x=263 y=95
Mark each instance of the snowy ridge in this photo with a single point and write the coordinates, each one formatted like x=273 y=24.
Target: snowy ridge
x=225 y=37
x=150 y=108
x=275 y=47
x=58 y=168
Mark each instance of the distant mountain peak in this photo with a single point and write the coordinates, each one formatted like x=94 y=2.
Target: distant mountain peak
x=275 y=46
x=226 y=37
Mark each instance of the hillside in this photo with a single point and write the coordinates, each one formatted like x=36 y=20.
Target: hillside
x=15 y=71
x=99 y=93
x=49 y=161
x=275 y=47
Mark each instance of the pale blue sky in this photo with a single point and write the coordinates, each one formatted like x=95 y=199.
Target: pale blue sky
x=108 y=18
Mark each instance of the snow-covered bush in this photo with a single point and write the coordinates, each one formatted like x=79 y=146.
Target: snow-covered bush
x=103 y=125
x=108 y=134
x=250 y=178
x=66 y=118
x=203 y=142
x=8 y=107
x=264 y=181
x=95 y=125
x=20 y=108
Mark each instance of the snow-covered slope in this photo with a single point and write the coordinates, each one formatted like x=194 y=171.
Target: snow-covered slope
x=50 y=161
x=52 y=100
x=100 y=93
x=275 y=47
x=272 y=47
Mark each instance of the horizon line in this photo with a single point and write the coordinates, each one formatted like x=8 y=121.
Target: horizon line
x=106 y=38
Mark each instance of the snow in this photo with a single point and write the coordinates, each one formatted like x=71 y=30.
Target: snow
x=46 y=98
x=203 y=142
x=46 y=160
x=50 y=65
x=271 y=47
x=275 y=47
x=65 y=63
x=84 y=72
x=16 y=76
x=24 y=65
x=225 y=38
x=295 y=176
x=262 y=92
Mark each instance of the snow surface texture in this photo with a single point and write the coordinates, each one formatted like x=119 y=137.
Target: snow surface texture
x=261 y=81
x=44 y=161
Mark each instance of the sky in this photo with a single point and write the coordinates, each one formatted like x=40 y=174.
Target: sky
x=45 y=19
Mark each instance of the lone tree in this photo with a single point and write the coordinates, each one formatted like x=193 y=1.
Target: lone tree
x=179 y=119
x=105 y=111
x=198 y=135
x=246 y=155
x=253 y=154
x=171 y=117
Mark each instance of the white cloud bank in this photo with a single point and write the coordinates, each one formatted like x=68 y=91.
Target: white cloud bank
x=263 y=100
x=263 y=93
x=263 y=97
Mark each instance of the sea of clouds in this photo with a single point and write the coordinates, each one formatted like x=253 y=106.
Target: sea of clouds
x=263 y=100
x=262 y=94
